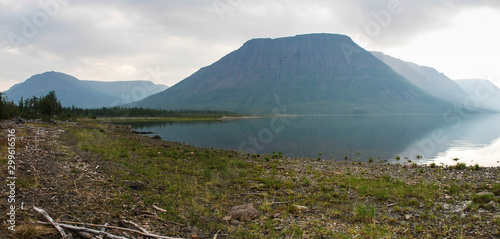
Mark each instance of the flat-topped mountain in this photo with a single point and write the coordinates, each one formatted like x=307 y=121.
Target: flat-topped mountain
x=86 y=94
x=306 y=74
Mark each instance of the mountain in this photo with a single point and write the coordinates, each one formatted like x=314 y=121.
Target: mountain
x=426 y=78
x=126 y=91
x=86 y=94
x=483 y=92
x=306 y=74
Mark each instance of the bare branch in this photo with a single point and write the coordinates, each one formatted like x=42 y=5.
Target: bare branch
x=136 y=225
x=111 y=227
x=84 y=229
x=159 y=209
x=51 y=221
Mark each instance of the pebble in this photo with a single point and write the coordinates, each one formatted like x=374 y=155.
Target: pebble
x=485 y=193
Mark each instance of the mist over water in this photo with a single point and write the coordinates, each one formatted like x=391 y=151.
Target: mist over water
x=433 y=138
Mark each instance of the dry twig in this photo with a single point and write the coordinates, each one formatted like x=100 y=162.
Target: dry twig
x=84 y=229
x=137 y=226
x=51 y=221
x=116 y=228
x=159 y=209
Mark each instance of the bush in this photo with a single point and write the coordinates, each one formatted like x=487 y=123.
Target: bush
x=364 y=213
x=483 y=199
x=460 y=166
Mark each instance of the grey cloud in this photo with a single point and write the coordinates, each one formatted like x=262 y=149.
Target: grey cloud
x=186 y=35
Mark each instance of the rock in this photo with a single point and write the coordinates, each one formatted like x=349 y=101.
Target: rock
x=492 y=204
x=156 y=137
x=139 y=132
x=18 y=120
x=245 y=212
x=234 y=222
x=300 y=207
x=407 y=217
x=136 y=185
x=195 y=232
x=485 y=193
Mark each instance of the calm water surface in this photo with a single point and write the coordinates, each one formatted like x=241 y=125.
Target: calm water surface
x=472 y=139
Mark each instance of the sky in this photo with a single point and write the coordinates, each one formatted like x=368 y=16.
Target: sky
x=165 y=41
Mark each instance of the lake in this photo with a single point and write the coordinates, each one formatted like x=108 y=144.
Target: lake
x=443 y=139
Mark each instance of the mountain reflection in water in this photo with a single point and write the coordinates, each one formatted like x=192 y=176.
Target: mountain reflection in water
x=474 y=139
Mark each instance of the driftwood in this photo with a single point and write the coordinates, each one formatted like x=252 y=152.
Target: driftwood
x=159 y=209
x=51 y=221
x=116 y=228
x=84 y=229
x=102 y=230
x=84 y=232
x=137 y=226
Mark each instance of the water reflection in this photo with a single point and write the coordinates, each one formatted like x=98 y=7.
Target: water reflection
x=475 y=139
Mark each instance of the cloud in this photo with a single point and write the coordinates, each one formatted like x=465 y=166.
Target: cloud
x=120 y=40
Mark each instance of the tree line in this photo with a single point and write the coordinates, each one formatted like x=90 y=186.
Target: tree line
x=45 y=107
x=49 y=107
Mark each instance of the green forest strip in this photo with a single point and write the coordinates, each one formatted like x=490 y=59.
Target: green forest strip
x=49 y=107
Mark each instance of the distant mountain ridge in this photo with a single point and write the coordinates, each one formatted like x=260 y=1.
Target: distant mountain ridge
x=85 y=94
x=306 y=74
x=426 y=78
x=484 y=92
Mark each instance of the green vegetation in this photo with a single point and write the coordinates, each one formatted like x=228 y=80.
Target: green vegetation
x=8 y=109
x=460 y=166
x=49 y=106
x=295 y=197
x=142 y=112
x=364 y=213
x=44 y=107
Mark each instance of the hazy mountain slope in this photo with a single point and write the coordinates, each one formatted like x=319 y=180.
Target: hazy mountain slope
x=126 y=91
x=427 y=78
x=69 y=90
x=307 y=74
x=86 y=94
x=484 y=92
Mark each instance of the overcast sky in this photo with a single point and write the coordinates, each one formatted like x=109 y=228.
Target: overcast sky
x=165 y=41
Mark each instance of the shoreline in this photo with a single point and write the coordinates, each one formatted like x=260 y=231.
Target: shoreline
x=83 y=168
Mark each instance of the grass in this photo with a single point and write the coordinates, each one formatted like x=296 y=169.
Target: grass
x=192 y=184
x=364 y=213
x=459 y=166
x=385 y=187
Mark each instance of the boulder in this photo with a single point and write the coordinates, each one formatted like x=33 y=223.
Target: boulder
x=136 y=185
x=157 y=137
x=245 y=212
